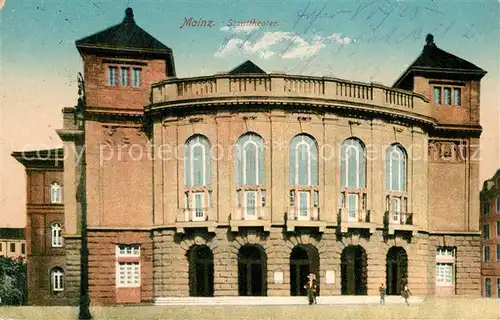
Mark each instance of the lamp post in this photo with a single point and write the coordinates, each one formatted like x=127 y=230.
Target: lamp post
x=84 y=313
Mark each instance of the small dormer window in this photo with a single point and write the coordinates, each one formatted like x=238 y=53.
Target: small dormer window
x=112 y=72
x=136 y=77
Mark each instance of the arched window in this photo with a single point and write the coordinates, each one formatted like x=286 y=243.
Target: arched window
x=250 y=172
x=395 y=183
x=395 y=168
x=57 y=279
x=353 y=180
x=303 y=173
x=55 y=193
x=56 y=233
x=197 y=178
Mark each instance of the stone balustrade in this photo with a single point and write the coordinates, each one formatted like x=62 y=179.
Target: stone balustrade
x=281 y=88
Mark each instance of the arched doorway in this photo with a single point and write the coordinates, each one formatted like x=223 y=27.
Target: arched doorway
x=201 y=272
x=396 y=270
x=353 y=271
x=304 y=259
x=252 y=271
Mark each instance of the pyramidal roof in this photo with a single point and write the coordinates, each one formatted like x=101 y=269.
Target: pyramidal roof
x=126 y=36
x=247 y=67
x=433 y=59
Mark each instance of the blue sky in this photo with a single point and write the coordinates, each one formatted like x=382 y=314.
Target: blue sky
x=364 y=41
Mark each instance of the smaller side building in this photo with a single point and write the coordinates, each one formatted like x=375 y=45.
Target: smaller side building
x=45 y=249
x=490 y=237
x=12 y=243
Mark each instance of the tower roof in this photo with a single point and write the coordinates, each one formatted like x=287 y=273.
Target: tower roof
x=247 y=67
x=435 y=60
x=126 y=35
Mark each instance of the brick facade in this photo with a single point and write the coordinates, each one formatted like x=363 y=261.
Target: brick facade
x=131 y=189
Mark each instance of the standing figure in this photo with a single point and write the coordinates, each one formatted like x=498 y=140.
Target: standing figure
x=311 y=288
x=382 y=291
x=406 y=293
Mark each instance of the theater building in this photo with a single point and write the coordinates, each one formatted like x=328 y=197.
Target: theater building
x=243 y=182
x=490 y=244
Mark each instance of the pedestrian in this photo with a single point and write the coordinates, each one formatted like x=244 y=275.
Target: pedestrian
x=406 y=293
x=382 y=291
x=311 y=288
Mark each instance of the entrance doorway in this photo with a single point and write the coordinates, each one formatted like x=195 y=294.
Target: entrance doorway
x=353 y=271
x=252 y=271
x=201 y=272
x=304 y=259
x=396 y=270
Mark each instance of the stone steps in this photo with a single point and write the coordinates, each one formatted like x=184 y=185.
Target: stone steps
x=247 y=301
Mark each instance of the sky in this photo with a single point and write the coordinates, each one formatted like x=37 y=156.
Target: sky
x=370 y=41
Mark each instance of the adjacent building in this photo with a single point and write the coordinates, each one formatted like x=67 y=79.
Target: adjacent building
x=241 y=183
x=490 y=240
x=12 y=243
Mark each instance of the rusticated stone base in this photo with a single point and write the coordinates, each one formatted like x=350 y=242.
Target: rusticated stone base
x=171 y=263
x=72 y=246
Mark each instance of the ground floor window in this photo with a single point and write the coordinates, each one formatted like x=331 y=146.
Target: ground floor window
x=354 y=266
x=128 y=268
x=487 y=288
x=444 y=274
x=57 y=279
x=498 y=287
x=445 y=267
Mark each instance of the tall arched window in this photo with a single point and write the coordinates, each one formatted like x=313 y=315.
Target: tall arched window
x=56 y=235
x=57 y=279
x=395 y=183
x=197 y=178
x=250 y=171
x=303 y=171
x=55 y=193
x=353 y=179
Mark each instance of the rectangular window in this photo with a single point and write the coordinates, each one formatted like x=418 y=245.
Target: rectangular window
x=487 y=288
x=437 y=95
x=486 y=208
x=498 y=287
x=23 y=248
x=316 y=198
x=12 y=247
x=444 y=274
x=342 y=201
x=498 y=252
x=128 y=250
x=128 y=274
x=353 y=206
x=486 y=231
x=250 y=201
x=498 y=229
x=112 y=76
x=486 y=254
x=136 y=77
x=447 y=95
x=445 y=252
x=238 y=198
x=498 y=205
x=124 y=76
x=198 y=205
x=292 y=198
x=304 y=204
x=1 y=247
x=457 y=96
x=128 y=269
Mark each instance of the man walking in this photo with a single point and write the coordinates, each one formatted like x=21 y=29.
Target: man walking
x=382 y=291
x=406 y=293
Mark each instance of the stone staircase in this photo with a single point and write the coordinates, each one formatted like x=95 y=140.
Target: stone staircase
x=259 y=301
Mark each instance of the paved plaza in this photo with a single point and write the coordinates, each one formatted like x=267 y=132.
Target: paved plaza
x=488 y=309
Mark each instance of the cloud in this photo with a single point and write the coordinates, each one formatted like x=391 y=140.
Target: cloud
x=286 y=45
x=239 y=29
